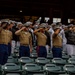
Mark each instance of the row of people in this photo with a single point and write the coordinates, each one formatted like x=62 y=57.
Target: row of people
x=56 y=37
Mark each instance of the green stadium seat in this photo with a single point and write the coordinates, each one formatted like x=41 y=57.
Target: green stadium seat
x=69 y=69
x=52 y=69
x=11 y=68
x=72 y=56
x=10 y=59
x=0 y=69
x=42 y=61
x=65 y=57
x=31 y=69
x=26 y=60
x=49 y=55
x=33 y=56
x=16 y=52
x=71 y=61
x=23 y=60
x=59 y=62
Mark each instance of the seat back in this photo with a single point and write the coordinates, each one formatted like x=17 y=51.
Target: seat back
x=33 y=55
x=69 y=68
x=64 y=56
x=71 y=60
x=50 y=56
x=51 y=67
x=25 y=60
x=73 y=56
x=31 y=67
x=58 y=61
x=10 y=59
x=42 y=60
x=12 y=74
x=10 y=67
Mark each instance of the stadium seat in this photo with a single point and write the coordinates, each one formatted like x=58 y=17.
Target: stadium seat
x=52 y=69
x=33 y=56
x=10 y=59
x=69 y=69
x=72 y=56
x=11 y=68
x=31 y=69
x=50 y=56
x=42 y=61
x=65 y=57
x=59 y=62
x=16 y=52
x=0 y=69
x=71 y=61
x=23 y=60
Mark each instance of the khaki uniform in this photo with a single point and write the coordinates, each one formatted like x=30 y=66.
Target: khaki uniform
x=24 y=37
x=25 y=40
x=57 y=41
x=5 y=37
x=57 y=46
x=41 y=39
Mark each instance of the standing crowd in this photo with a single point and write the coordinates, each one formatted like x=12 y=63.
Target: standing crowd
x=54 y=37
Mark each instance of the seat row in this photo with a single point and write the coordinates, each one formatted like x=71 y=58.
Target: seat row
x=33 y=69
x=41 y=60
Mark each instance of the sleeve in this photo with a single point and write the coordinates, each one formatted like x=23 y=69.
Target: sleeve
x=18 y=33
x=37 y=33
